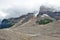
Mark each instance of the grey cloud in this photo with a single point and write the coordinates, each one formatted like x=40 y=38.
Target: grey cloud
x=16 y=8
x=16 y=12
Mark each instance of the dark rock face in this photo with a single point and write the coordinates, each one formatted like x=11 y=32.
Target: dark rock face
x=55 y=15
x=6 y=23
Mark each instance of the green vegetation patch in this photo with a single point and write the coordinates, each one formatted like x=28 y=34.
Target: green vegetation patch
x=44 y=21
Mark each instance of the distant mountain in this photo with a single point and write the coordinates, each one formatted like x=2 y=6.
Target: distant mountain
x=25 y=17
x=49 y=11
x=6 y=23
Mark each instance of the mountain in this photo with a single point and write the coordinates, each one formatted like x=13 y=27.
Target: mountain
x=49 y=11
x=6 y=23
x=32 y=31
x=27 y=17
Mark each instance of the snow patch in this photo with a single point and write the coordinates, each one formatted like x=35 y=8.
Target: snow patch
x=44 y=15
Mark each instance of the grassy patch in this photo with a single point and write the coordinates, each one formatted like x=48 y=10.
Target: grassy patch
x=44 y=21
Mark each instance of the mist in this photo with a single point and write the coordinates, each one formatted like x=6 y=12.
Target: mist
x=15 y=8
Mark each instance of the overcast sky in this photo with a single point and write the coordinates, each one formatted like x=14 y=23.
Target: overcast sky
x=14 y=8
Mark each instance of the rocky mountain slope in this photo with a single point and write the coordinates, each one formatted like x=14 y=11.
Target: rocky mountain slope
x=32 y=31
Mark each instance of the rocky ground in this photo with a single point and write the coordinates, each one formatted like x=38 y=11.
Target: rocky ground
x=32 y=31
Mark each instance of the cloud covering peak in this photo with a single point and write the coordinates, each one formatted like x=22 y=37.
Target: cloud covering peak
x=14 y=8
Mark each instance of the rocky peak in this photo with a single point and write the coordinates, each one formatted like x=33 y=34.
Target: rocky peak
x=49 y=11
